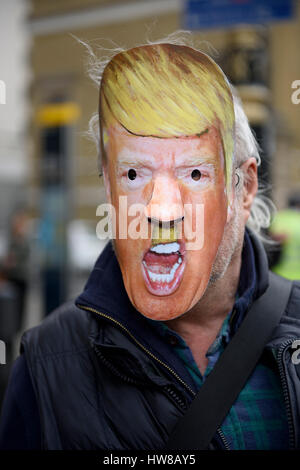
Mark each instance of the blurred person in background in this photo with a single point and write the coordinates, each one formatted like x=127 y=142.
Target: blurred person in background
x=14 y=272
x=9 y=316
x=117 y=368
x=16 y=262
x=285 y=229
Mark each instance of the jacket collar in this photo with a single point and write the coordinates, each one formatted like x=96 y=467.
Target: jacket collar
x=105 y=293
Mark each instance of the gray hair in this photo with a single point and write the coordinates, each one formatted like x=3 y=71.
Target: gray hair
x=245 y=144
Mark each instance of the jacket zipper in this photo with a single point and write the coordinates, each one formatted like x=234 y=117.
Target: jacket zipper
x=287 y=401
x=90 y=309
x=175 y=397
x=130 y=380
x=223 y=438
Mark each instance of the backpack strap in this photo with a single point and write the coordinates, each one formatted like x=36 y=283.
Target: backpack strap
x=197 y=427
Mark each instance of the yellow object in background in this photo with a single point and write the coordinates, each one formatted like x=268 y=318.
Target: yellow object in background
x=58 y=114
x=287 y=225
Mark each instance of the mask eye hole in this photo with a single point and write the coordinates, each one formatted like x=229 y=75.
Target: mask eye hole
x=196 y=175
x=131 y=174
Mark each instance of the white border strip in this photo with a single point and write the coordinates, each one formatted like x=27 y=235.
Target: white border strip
x=103 y=15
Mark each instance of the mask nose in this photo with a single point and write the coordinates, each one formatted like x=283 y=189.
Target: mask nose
x=165 y=207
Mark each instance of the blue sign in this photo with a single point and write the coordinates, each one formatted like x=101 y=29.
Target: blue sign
x=199 y=14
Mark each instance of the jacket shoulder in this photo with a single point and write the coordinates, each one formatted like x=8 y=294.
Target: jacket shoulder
x=65 y=330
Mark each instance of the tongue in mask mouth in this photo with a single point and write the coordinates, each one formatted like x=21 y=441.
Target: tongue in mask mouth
x=163 y=266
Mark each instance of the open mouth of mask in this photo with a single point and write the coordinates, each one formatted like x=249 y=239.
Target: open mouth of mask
x=163 y=264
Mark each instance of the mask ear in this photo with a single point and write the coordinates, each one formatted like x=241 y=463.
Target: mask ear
x=250 y=185
x=106 y=183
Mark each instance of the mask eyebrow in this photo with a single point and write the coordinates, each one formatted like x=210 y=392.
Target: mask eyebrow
x=128 y=157
x=195 y=160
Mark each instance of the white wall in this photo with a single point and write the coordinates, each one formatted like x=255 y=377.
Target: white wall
x=14 y=72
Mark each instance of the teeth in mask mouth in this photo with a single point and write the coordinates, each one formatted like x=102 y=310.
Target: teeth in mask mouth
x=165 y=248
x=166 y=278
x=163 y=267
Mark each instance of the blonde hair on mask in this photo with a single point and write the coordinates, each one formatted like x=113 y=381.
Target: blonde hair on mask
x=166 y=91
x=245 y=144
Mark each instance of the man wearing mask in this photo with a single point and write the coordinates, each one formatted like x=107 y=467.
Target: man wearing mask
x=118 y=367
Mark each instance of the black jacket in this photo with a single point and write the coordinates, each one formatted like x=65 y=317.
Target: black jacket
x=100 y=375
